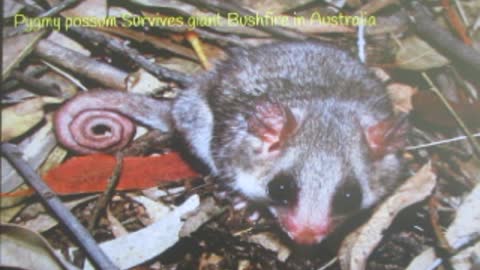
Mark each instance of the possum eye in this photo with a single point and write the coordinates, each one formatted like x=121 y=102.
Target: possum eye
x=283 y=190
x=348 y=198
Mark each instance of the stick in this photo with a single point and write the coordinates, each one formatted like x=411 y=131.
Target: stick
x=99 y=71
x=466 y=57
x=85 y=240
x=122 y=49
x=105 y=198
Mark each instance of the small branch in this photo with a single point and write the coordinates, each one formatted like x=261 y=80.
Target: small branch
x=37 y=86
x=154 y=140
x=132 y=54
x=160 y=43
x=455 y=22
x=36 y=71
x=196 y=44
x=437 y=229
x=425 y=145
x=71 y=60
x=327 y=265
x=471 y=139
x=48 y=197
x=458 y=247
x=467 y=58
x=105 y=198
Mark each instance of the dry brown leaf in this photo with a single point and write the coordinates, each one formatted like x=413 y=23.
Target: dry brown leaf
x=465 y=226
x=358 y=246
x=154 y=209
x=38 y=219
x=401 y=96
x=143 y=245
x=7 y=214
x=416 y=54
x=16 y=48
x=25 y=249
x=471 y=169
x=143 y=82
x=428 y=107
x=207 y=210
x=156 y=41
x=210 y=262
x=35 y=150
x=20 y=118
x=54 y=159
x=116 y=226
x=271 y=242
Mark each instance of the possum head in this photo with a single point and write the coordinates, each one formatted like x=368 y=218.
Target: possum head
x=303 y=127
x=315 y=165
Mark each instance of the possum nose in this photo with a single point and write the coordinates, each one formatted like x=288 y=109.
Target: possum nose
x=309 y=236
x=306 y=233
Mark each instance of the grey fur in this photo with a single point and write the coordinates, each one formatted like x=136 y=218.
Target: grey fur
x=332 y=94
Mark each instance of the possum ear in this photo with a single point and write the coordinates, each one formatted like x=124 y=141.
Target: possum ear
x=387 y=136
x=273 y=123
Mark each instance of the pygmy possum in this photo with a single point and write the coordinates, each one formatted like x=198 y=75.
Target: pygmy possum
x=300 y=126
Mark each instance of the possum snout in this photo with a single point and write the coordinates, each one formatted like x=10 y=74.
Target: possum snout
x=306 y=230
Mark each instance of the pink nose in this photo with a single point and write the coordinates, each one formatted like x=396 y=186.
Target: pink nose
x=309 y=236
x=306 y=234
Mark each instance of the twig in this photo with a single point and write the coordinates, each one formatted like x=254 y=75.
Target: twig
x=85 y=240
x=36 y=71
x=65 y=75
x=439 y=234
x=132 y=54
x=455 y=22
x=462 y=12
x=456 y=139
x=196 y=44
x=471 y=139
x=155 y=40
x=38 y=86
x=467 y=58
x=458 y=247
x=105 y=198
x=150 y=142
x=96 y=70
x=329 y=263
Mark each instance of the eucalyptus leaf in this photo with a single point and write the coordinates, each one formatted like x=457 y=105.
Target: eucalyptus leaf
x=34 y=251
x=16 y=48
x=35 y=150
x=416 y=54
